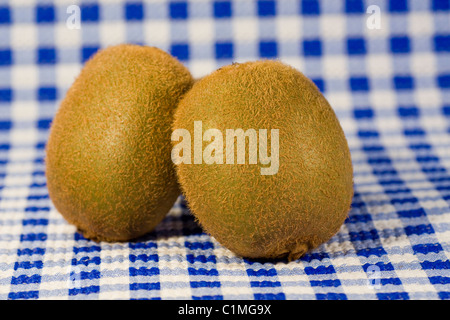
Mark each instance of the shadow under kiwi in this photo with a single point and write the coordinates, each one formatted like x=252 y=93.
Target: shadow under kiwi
x=178 y=224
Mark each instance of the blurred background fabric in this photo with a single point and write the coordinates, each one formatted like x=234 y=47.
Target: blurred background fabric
x=383 y=65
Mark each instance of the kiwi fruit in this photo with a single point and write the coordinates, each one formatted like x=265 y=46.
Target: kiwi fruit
x=108 y=164
x=281 y=215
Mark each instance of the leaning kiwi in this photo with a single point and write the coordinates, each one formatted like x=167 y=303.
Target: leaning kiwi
x=108 y=163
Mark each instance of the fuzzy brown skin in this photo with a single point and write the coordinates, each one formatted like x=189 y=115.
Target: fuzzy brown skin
x=108 y=164
x=271 y=216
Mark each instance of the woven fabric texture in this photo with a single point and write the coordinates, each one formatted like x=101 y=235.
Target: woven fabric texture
x=384 y=66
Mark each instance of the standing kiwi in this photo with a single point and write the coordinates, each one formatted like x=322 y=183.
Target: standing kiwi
x=108 y=163
x=264 y=210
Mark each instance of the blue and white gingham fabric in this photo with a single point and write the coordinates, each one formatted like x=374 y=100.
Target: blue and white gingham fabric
x=384 y=69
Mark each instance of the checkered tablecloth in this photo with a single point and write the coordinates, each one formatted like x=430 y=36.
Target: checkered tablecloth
x=384 y=66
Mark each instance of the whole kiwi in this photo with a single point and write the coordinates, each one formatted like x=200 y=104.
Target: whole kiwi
x=299 y=205
x=108 y=164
